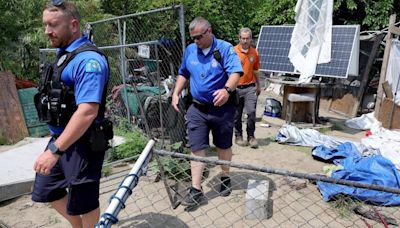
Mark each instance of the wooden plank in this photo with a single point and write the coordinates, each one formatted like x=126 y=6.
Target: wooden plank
x=388 y=90
x=394 y=30
x=382 y=77
x=12 y=120
x=365 y=76
x=385 y=114
x=344 y=106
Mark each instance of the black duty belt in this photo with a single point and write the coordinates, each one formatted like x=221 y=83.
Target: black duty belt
x=202 y=107
x=206 y=108
x=246 y=86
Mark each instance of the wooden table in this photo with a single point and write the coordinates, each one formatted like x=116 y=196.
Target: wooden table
x=302 y=110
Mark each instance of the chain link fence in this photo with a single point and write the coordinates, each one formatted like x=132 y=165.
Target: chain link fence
x=144 y=50
x=261 y=197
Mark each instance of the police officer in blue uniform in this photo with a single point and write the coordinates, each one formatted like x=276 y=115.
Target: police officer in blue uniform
x=214 y=69
x=71 y=100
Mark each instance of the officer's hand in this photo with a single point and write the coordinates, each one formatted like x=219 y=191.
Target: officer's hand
x=45 y=162
x=175 y=102
x=258 y=90
x=221 y=96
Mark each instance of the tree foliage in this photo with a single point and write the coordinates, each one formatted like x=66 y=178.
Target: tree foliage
x=21 y=33
x=228 y=16
x=371 y=15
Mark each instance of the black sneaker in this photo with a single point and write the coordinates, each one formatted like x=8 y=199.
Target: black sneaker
x=194 y=197
x=225 y=188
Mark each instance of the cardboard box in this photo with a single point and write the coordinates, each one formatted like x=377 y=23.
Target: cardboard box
x=385 y=114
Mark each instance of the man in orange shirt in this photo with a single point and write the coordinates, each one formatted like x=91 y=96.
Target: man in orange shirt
x=248 y=88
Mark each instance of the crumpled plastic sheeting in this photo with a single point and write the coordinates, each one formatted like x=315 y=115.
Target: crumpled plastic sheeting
x=375 y=170
x=311 y=37
x=306 y=137
x=364 y=122
x=386 y=141
x=338 y=154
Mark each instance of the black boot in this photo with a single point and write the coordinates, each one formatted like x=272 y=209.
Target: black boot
x=194 y=197
x=225 y=188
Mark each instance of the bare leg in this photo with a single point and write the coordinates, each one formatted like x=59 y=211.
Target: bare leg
x=224 y=154
x=197 y=169
x=90 y=219
x=61 y=207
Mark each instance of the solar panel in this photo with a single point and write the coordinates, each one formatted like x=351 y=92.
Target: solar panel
x=274 y=43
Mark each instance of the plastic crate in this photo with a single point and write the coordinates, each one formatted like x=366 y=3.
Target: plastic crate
x=35 y=127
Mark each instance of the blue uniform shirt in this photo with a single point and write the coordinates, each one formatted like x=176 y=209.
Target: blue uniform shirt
x=205 y=73
x=87 y=73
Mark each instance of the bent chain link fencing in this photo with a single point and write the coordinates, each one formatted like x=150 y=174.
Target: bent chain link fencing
x=261 y=197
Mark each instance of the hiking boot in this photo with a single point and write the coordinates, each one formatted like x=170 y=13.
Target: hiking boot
x=225 y=188
x=253 y=142
x=194 y=197
x=239 y=141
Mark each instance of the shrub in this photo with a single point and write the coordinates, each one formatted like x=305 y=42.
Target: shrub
x=3 y=140
x=135 y=142
x=174 y=168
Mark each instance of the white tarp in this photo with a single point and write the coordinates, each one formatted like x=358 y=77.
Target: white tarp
x=363 y=122
x=311 y=37
x=386 y=141
x=289 y=134
x=393 y=72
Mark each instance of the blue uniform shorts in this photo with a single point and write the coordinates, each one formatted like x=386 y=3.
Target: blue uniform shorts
x=202 y=119
x=77 y=173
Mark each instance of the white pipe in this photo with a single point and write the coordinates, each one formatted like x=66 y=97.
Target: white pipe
x=115 y=205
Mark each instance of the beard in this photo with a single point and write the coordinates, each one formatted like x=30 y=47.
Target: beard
x=61 y=40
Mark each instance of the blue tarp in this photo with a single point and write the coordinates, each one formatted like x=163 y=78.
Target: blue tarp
x=375 y=170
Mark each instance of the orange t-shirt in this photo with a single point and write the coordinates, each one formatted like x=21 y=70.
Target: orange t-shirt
x=250 y=61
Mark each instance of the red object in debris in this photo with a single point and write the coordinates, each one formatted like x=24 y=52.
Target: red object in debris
x=23 y=83
x=368 y=133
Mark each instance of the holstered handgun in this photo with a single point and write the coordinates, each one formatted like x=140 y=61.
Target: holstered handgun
x=41 y=99
x=100 y=132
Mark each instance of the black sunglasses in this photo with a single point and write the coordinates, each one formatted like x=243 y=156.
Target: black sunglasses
x=200 y=36
x=57 y=2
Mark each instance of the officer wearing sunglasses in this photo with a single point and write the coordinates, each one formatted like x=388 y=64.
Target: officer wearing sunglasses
x=213 y=69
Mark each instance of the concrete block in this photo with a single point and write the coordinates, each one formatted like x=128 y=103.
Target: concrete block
x=13 y=190
x=257 y=201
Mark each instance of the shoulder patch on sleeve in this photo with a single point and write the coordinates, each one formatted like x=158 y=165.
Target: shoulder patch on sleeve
x=92 y=66
x=231 y=50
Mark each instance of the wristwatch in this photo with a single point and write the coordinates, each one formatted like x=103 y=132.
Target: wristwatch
x=54 y=149
x=229 y=90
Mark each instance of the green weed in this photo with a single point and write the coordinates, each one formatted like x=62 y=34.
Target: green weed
x=135 y=142
x=343 y=206
x=53 y=220
x=3 y=139
x=177 y=169
x=106 y=171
